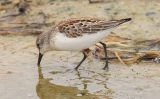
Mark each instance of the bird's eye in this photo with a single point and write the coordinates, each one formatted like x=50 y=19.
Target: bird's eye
x=38 y=46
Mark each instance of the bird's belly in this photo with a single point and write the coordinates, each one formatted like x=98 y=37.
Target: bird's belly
x=64 y=43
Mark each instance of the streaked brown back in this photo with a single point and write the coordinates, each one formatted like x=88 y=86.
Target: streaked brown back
x=77 y=27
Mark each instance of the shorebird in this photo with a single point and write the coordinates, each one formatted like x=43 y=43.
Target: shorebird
x=77 y=35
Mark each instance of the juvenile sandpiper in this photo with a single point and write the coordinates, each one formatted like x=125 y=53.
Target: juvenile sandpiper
x=77 y=35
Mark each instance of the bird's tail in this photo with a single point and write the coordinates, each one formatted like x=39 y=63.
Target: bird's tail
x=115 y=23
x=124 y=20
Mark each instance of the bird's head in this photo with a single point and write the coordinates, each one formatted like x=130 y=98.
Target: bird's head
x=42 y=44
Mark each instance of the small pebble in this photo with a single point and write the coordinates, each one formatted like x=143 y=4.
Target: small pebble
x=79 y=94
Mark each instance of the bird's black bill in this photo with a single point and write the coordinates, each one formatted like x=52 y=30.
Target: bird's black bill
x=39 y=59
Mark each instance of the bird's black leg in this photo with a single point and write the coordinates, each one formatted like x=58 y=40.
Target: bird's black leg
x=85 y=56
x=39 y=59
x=105 y=51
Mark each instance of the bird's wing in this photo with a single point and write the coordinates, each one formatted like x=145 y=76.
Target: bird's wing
x=77 y=27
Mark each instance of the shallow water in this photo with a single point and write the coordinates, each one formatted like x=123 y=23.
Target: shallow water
x=20 y=77
x=47 y=90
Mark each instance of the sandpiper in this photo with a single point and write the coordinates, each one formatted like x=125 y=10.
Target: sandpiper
x=77 y=35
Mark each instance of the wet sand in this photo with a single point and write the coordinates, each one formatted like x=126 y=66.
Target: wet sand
x=20 y=77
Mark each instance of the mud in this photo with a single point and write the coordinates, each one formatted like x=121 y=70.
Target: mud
x=20 y=78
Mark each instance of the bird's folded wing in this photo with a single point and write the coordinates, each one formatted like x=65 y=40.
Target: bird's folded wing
x=77 y=27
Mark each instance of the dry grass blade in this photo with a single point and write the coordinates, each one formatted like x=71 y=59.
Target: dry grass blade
x=149 y=56
x=89 y=54
x=136 y=59
x=117 y=41
x=119 y=58
x=115 y=38
x=116 y=44
x=125 y=47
